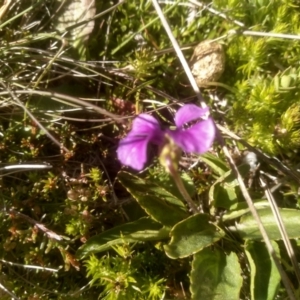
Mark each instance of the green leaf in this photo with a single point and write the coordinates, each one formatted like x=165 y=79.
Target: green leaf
x=157 y=201
x=144 y=229
x=215 y=276
x=248 y=228
x=223 y=192
x=265 y=278
x=192 y=235
x=165 y=181
x=242 y=208
x=216 y=164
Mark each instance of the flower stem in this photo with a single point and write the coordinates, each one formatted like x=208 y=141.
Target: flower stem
x=179 y=183
x=169 y=158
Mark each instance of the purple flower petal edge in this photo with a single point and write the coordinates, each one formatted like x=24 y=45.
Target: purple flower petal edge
x=188 y=113
x=132 y=150
x=198 y=138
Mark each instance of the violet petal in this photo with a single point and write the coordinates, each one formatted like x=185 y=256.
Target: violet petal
x=198 y=138
x=188 y=113
x=132 y=150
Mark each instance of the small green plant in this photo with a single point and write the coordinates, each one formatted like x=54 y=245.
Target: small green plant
x=123 y=276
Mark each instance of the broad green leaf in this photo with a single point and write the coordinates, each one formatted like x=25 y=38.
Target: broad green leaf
x=192 y=235
x=224 y=193
x=165 y=181
x=265 y=278
x=216 y=164
x=215 y=276
x=144 y=229
x=248 y=229
x=158 y=202
x=242 y=208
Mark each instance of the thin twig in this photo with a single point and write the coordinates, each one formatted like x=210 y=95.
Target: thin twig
x=28 y=266
x=51 y=234
x=266 y=34
x=281 y=228
x=179 y=54
x=3 y=288
x=11 y=169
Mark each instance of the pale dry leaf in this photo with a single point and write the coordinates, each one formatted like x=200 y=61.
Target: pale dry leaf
x=4 y=8
x=72 y=12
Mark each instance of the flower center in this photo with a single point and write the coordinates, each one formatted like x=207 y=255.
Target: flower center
x=191 y=123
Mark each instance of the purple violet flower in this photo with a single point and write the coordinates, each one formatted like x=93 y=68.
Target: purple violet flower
x=191 y=135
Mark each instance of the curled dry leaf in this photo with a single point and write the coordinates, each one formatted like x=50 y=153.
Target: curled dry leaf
x=208 y=62
x=72 y=12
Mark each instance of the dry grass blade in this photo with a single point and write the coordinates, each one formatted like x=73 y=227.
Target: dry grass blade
x=3 y=288
x=267 y=34
x=11 y=169
x=179 y=53
x=281 y=227
x=28 y=266
x=40 y=226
